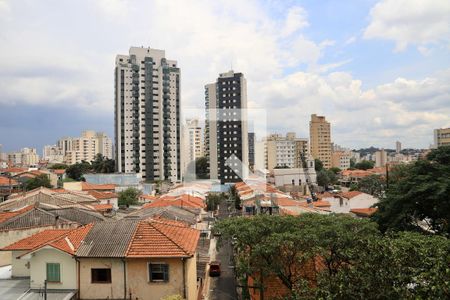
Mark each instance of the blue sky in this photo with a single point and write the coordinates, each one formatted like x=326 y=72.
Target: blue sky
x=379 y=70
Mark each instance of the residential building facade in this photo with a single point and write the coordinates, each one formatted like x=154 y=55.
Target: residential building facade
x=85 y=147
x=341 y=160
x=320 y=139
x=285 y=151
x=25 y=157
x=380 y=158
x=226 y=133
x=441 y=137
x=147 y=115
x=53 y=154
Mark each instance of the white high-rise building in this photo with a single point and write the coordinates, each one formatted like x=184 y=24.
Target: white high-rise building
x=25 y=157
x=147 y=115
x=285 y=151
x=53 y=154
x=194 y=139
x=398 y=147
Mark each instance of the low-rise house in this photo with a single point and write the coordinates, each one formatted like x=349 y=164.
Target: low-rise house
x=49 y=256
x=147 y=259
x=85 y=186
x=175 y=213
x=8 y=186
x=345 y=202
x=22 y=223
x=48 y=198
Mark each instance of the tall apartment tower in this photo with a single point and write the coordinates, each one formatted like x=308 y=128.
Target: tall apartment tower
x=226 y=132
x=441 y=137
x=398 y=147
x=320 y=140
x=147 y=115
x=194 y=139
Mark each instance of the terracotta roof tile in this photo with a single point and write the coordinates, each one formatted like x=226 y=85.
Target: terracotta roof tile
x=102 y=195
x=364 y=212
x=85 y=186
x=37 y=240
x=5 y=181
x=103 y=207
x=59 y=171
x=181 y=201
x=72 y=240
x=10 y=214
x=159 y=238
x=352 y=194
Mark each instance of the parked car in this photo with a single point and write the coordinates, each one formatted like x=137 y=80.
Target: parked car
x=214 y=268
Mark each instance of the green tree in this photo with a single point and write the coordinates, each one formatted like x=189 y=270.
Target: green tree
x=352 y=163
x=335 y=170
x=58 y=166
x=365 y=165
x=77 y=170
x=374 y=185
x=318 y=165
x=38 y=181
x=212 y=200
x=102 y=164
x=326 y=177
x=201 y=168
x=129 y=197
x=418 y=196
x=235 y=197
x=346 y=258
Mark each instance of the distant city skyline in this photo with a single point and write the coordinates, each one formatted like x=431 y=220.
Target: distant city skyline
x=380 y=76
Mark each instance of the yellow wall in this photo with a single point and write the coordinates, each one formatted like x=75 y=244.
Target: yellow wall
x=138 y=279
x=72 y=186
x=38 y=269
x=113 y=290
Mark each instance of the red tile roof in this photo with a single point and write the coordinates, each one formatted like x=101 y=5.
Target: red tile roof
x=149 y=197
x=103 y=207
x=13 y=170
x=102 y=195
x=180 y=201
x=59 y=171
x=4 y=216
x=364 y=212
x=85 y=186
x=5 y=181
x=352 y=194
x=72 y=240
x=159 y=238
x=37 y=240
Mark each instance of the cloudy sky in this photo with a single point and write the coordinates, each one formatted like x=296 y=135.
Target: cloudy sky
x=379 y=70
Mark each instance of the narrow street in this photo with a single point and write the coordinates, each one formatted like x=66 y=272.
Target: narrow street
x=224 y=286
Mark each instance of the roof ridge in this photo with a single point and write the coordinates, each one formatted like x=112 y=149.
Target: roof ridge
x=132 y=238
x=170 y=239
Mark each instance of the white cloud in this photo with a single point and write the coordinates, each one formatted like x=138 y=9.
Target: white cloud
x=418 y=22
x=68 y=60
x=404 y=109
x=296 y=19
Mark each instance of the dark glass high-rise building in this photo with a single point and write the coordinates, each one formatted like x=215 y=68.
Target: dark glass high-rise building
x=226 y=135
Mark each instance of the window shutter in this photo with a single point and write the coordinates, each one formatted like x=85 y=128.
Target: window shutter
x=53 y=272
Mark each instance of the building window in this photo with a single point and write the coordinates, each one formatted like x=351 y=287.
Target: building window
x=159 y=272
x=100 y=275
x=53 y=272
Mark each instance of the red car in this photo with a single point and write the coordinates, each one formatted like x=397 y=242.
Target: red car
x=214 y=268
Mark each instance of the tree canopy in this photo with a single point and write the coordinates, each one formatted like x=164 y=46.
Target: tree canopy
x=77 y=170
x=326 y=177
x=38 y=181
x=201 y=168
x=418 y=196
x=318 y=165
x=365 y=165
x=336 y=257
x=373 y=184
x=102 y=164
x=129 y=197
